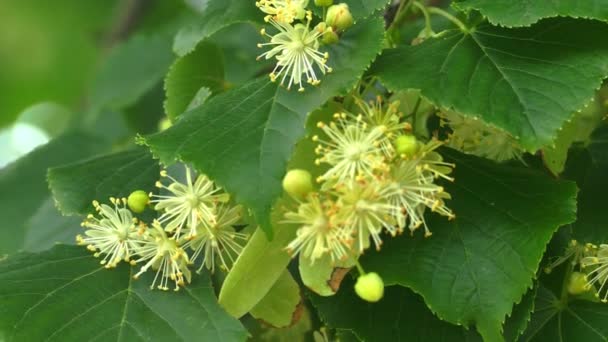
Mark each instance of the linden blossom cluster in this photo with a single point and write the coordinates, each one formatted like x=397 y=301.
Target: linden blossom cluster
x=380 y=179
x=295 y=46
x=590 y=263
x=473 y=136
x=195 y=217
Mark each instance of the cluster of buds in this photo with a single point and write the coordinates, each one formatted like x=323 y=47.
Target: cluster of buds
x=195 y=216
x=380 y=179
x=473 y=136
x=295 y=44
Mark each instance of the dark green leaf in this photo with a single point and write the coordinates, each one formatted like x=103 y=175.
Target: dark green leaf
x=519 y=319
x=474 y=268
x=24 y=188
x=589 y=168
x=599 y=146
x=400 y=316
x=527 y=81
x=48 y=227
x=217 y=15
x=65 y=295
x=131 y=70
x=574 y=321
x=525 y=13
x=75 y=186
x=188 y=74
x=243 y=138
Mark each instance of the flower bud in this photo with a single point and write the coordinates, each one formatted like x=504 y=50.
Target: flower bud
x=370 y=287
x=324 y=3
x=137 y=201
x=577 y=284
x=297 y=183
x=164 y=124
x=329 y=37
x=406 y=145
x=339 y=17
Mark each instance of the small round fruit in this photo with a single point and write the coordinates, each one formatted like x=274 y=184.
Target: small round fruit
x=406 y=145
x=137 y=201
x=339 y=17
x=577 y=284
x=370 y=287
x=298 y=183
x=324 y=3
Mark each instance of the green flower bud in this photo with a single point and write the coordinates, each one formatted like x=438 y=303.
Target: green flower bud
x=370 y=287
x=137 y=201
x=329 y=37
x=324 y=3
x=339 y=17
x=297 y=183
x=164 y=124
x=577 y=284
x=406 y=145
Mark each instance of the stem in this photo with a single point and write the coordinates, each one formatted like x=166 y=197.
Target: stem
x=414 y=112
x=128 y=15
x=428 y=27
x=402 y=10
x=448 y=16
x=369 y=86
x=564 y=294
x=359 y=268
x=436 y=10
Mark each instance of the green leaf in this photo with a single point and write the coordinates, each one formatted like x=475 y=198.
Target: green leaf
x=24 y=188
x=474 y=268
x=578 y=129
x=589 y=169
x=131 y=70
x=48 y=227
x=527 y=81
x=400 y=316
x=201 y=68
x=217 y=15
x=243 y=138
x=519 y=319
x=75 y=186
x=65 y=295
x=280 y=305
x=257 y=269
x=199 y=98
x=525 y=13
x=598 y=145
x=571 y=322
x=262 y=262
x=51 y=117
x=324 y=276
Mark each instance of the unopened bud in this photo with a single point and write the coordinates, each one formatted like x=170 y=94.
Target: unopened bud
x=298 y=183
x=406 y=145
x=137 y=201
x=339 y=17
x=330 y=37
x=370 y=287
x=577 y=284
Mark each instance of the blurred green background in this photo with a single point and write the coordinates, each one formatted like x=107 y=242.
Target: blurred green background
x=56 y=58
x=49 y=51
